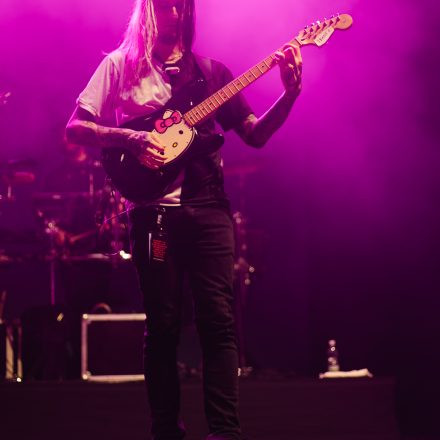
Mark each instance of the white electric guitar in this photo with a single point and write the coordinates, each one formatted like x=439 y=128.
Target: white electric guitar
x=175 y=124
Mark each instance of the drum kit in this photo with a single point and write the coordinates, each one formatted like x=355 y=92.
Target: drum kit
x=86 y=224
x=89 y=222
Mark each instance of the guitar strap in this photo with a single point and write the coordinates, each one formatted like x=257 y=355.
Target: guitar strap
x=205 y=66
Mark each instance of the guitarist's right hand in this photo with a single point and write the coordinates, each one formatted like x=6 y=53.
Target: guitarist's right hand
x=147 y=149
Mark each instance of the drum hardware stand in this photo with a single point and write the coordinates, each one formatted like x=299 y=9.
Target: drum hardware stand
x=52 y=230
x=109 y=210
x=243 y=271
x=57 y=238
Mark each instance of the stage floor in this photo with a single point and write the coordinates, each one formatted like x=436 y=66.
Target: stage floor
x=287 y=409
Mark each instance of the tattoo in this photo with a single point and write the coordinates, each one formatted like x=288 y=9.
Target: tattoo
x=84 y=132
x=257 y=131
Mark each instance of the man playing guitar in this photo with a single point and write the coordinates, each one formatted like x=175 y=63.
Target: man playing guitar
x=187 y=228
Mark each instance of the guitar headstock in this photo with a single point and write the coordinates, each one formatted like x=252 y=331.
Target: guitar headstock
x=318 y=33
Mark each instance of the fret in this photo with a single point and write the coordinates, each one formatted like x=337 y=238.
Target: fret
x=225 y=92
x=223 y=95
x=249 y=78
x=233 y=92
x=272 y=58
x=196 y=120
x=268 y=61
x=212 y=105
x=202 y=110
x=198 y=116
x=222 y=98
x=191 y=117
x=187 y=119
x=191 y=114
x=230 y=91
x=253 y=74
x=215 y=97
x=258 y=74
x=243 y=77
x=208 y=106
x=258 y=67
x=263 y=66
x=242 y=85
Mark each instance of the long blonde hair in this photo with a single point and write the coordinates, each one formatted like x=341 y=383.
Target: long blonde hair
x=141 y=35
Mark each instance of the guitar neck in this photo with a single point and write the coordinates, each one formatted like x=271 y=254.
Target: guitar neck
x=207 y=107
x=318 y=33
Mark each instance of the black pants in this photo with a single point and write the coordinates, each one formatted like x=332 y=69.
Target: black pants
x=201 y=243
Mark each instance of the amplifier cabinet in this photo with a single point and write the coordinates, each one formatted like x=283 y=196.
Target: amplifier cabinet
x=112 y=347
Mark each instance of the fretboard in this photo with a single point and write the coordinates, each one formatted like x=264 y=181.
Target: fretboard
x=316 y=34
x=205 y=109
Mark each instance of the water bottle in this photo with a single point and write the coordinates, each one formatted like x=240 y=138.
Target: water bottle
x=332 y=356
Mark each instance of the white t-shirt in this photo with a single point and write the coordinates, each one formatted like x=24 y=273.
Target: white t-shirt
x=106 y=100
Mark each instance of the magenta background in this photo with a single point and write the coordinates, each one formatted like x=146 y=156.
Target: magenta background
x=346 y=196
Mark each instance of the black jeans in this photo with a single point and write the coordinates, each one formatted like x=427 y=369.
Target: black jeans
x=201 y=243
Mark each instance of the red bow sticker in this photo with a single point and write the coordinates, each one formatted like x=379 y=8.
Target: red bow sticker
x=162 y=125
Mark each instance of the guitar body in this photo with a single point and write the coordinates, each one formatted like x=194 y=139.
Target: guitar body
x=139 y=183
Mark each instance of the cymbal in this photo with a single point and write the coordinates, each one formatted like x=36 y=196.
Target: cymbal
x=60 y=196
x=86 y=257
x=89 y=164
x=4 y=96
x=18 y=177
x=19 y=163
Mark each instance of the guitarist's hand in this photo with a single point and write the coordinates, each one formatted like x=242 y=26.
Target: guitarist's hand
x=147 y=149
x=290 y=62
